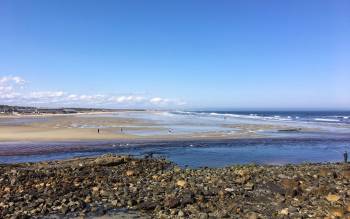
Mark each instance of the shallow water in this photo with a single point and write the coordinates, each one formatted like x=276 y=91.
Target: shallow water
x=325 y=140
x=181 y=122
x=211 y=153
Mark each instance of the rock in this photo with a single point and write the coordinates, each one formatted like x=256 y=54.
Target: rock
x=346 y=174
x=171 y=202
x=177 y=169
x=109 y=161
x=64 y=209
x=104 y=193
x=181 y=183
x=241 y=172
x=347 y=207
x=161 y=191
x=323 y=172
x=292 y=209
x=275 y=188
x=221 y=194
x=332 y=197
x=203 y=216
x=249 y=186
x=289 y=184
x=130 y=173
x=336 y=212
x=181 y=214
x=131 y=202
x=284 y=211
x=252 y=215
x=114 y=203
x=7 y=189
x=229 y=189
x=87 y=199
x=187 y=199
x=147 y=206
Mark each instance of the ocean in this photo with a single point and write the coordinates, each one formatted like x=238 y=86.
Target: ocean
x=265 y=137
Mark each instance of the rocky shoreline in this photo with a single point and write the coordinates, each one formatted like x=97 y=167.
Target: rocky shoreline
x=127 y=187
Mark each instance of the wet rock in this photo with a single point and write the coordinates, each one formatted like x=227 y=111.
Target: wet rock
x=108 y=161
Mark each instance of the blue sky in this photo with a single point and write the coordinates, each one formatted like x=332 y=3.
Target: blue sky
x=176 y=54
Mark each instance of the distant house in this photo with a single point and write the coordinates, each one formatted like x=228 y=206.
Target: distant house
x=50 y=110
x=6 y=109
x=56 y=111
x=25 y=110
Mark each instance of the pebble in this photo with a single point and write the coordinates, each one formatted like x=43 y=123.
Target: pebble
x=181 y=183
x=332 y=197
x=155 y=188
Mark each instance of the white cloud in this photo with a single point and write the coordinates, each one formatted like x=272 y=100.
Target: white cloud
x=11 y=79
x=158 y=100
x=9 y=86
x=46 y=94
x=128 y=99
x=12 y=91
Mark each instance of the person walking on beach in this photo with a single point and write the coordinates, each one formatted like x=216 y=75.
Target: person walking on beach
x=98 y=131
x=121 y=130
x=345 y=157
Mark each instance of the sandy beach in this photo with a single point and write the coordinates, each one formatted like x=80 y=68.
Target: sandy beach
x=84 y=126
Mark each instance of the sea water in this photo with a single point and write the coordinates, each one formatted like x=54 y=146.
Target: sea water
x=327 y=144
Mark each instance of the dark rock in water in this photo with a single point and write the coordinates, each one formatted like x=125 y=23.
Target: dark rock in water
x=109 y=161
x=290 y=130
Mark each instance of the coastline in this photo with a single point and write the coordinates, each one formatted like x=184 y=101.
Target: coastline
x=155 y=188
x=84 y=126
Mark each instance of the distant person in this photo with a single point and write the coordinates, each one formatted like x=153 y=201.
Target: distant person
x=345 y=157
x=98 y=131
x=121 y=130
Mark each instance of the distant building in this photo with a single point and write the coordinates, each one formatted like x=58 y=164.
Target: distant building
x=50 y=111
x=67 y=111
x=25 y=110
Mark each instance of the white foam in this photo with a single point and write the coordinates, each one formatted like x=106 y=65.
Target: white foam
x=326 y=120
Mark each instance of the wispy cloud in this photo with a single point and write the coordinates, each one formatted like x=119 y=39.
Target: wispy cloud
x=14 y=91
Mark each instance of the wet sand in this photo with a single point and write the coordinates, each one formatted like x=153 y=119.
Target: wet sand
x=82 y=128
